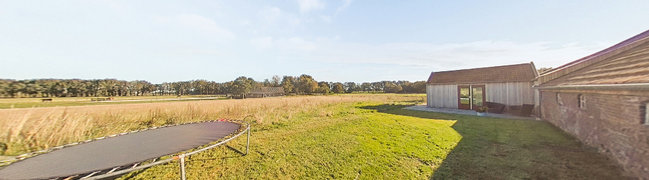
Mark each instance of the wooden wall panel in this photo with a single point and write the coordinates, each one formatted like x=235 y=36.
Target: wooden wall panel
x=444 y=96
x=513 y=94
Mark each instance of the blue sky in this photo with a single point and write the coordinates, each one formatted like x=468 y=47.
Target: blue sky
x=337 y=40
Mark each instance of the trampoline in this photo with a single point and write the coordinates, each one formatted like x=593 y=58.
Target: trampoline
x=108 y=157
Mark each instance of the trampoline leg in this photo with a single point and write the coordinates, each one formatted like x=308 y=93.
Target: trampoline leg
x=248 y=141
x=182 y=167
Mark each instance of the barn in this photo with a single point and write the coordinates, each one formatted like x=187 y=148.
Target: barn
x=502 y=88
x=602 y=100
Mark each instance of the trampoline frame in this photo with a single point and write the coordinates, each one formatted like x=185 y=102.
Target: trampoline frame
x=114 y=172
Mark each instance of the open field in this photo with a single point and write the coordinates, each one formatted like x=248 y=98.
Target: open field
x=31 y=129
x=341 y=137
x=10 y=103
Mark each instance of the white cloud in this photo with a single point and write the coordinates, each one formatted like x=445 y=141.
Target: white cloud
x=296 y=43
x=430 y=56
x=326 y=18
x=197 y=51
x=273 y=18
x=284 y=45
x=457 y=55
x=310 y=5
x=329 y=18
x=270 y=14
x=198 y=23
x=346 y=4
x=263 y=42
x=244 y=23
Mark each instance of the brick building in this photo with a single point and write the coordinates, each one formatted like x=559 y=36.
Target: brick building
x=602 y=100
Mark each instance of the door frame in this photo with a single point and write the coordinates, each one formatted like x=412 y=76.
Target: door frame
x=459 y=97
x=471 y=104
x=484 y=94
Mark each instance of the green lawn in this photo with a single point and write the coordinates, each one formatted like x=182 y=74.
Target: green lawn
x=9 y=103
x=383 y=141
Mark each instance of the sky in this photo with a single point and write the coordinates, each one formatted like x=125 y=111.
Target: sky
x=335 y=40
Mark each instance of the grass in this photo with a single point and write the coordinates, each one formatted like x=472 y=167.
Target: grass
x=382 y=141
x=336 y=141
x=31 y=129
x=329 y=137
x=10 y=103
x=495 y=148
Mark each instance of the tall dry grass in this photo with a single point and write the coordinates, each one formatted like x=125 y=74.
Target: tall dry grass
x=27 y=130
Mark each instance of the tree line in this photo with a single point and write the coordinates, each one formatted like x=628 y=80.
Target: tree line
x=303 y=84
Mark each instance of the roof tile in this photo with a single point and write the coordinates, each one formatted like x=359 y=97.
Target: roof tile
x=508 y=73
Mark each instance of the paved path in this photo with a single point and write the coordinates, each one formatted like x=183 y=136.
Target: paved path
x=465 y=112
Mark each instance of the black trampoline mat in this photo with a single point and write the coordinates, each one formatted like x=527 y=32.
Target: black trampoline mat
x=118 y=151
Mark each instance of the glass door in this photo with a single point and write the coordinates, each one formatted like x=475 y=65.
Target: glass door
x=470 y=96
x=464 y=97
x=477 y=96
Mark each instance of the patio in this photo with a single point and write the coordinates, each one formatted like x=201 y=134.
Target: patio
x=467 y=112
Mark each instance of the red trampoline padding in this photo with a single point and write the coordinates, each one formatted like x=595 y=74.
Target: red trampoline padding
x=118 y=151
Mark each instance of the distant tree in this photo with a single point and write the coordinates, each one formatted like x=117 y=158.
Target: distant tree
x=377 y=86
x=145 y=87
x=351 y=87
x=226 y=88
x=366 y=87
x=254 y=84
x=178 y=88
x=241 y=86
x=4 y=87
x=338 y=88
x=391 y=87
x=91 y=89
x=113 y=87
x=16 y=88
x=416 y=87
x=199 y=87
x=266 y=83
x=276 y=80
x=305 y=84
x=74 y=87
x=419 y=87
x=323 y=87
x=108 y=87
x=406 y=86
x=287 y=84
x=32 y=88
x=60 y=89
x=213 y=88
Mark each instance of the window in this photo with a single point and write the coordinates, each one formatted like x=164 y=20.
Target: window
x=559 y=100
x=646 y=114
x=581 y=101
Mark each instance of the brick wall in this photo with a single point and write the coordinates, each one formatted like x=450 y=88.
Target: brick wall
x=612 y=123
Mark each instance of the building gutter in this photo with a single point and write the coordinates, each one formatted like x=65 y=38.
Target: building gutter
x=628 y=87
